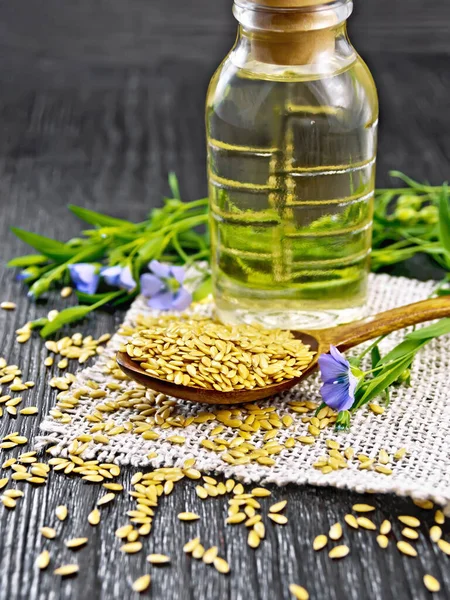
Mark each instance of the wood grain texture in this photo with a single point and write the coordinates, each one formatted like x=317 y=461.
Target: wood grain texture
x=89 y=121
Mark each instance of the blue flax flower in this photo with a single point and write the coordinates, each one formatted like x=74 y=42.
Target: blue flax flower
x=120 y=277
x=85 y=277
x=339 y=383
x=164 y=287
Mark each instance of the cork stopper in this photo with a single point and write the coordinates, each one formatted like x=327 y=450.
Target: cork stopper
x=291 y=37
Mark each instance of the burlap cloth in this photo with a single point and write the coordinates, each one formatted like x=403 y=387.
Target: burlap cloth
x=418 y=418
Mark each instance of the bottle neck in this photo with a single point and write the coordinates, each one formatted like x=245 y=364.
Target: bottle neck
x=293 y=35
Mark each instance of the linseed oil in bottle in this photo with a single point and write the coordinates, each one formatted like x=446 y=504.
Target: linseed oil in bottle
x=292 y=116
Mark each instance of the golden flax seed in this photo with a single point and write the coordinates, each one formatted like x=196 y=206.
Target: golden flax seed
x=444 y=546
x=48 y=532
x=189 y=546
x=320 y=542
x=76 y=542
x=406 y=548
x=431 y=583
x=366 y=523
x=67 y=570
x=339 y=551
x=363 y=508
x=383 y=541
x=409 y=521
x=141 y=584
x=61 y=512
x=131 y=547
x=409 y=533
x=188 y=516
x=298 y=591
x=351 y=521
x=335 y=532
x=221 y=565
x=43 y=560
x=278 y=507
x=278 y=519
x=385 y=527
x=158 y=559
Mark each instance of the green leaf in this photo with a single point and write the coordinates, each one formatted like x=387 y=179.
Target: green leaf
x=375 y=356
x=404 y=348
x=91 y=298
x=53 y=249
x=29 y=260
x=444 y=219
x=98 y=219
x=380 y=383
x=203 y=290
x=442 y=327
x=69 y=315
x=174 y=187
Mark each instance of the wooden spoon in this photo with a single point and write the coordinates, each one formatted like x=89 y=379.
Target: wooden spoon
x=343 y=337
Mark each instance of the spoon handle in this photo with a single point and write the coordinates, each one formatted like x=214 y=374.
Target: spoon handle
x=353 y=334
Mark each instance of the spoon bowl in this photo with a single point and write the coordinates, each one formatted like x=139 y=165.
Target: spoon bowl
x=319 y=340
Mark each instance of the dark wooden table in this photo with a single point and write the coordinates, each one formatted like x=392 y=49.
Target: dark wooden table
x=98 y=102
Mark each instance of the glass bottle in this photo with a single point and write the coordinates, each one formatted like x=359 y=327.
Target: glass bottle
x=291 y=119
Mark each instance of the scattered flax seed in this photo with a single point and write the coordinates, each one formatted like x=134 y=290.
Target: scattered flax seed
x=401 y=453
x=385 y=527
x=8 y=306
x=131 y=547
x=76 y=542
x=363 y=508
x=106 y=499
x=383 y=470
x=406 y=548
x=221 y=565
x=8 y=502
x=431 y=583
x=48 y=532
x=158 y=559
x=383 y=541
x=278 y=507
x=409 y=533
x=278 y=519
x=260 y=492
x=43 y=560
x=444 y=546
x=320 y=542
x=188 y=516
x=94 y=517
x=439 y=517
x=210 y=555
x=29 y=410
x=123 y=532
x=189 y=546
x=335 y=532
x=299 y=592
x=339 y=551
x=351 y=521
x=67 y=570
x=424 y=504
x=409 y=521
x=198 y=552
x=66 y=292
x=61 y=512
x=366 y=523
x=4 y=482
x=142 y=583
x=253 y=539
x=376 y=409
x=435 y=533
